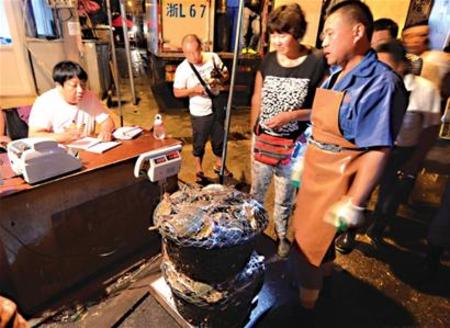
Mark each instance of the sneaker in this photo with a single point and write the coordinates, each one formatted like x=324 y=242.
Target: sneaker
x=284 y=247
x=251 y=51
x=345 y=243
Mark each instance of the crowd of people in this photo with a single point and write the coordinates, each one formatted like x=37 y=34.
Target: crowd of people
x=374 y=117
x=374 y=104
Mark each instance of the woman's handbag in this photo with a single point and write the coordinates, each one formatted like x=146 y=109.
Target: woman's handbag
x=272 y=150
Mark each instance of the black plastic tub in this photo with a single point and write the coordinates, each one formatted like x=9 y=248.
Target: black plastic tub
x=234 y=314
x=211 y=266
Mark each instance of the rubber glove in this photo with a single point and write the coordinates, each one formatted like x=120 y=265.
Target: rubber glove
x=344 y=215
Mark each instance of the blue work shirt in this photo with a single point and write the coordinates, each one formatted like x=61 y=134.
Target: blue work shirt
x=375 y=100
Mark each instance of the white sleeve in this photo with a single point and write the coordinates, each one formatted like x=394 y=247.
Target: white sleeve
x=97 y=109
x=180 y=79
x=40 y=116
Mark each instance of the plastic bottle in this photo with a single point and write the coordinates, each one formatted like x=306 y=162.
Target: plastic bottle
x=297 y=164
x=298 y=158
x=159 y=132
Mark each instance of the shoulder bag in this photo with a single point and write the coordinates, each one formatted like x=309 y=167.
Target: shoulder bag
x=272 y=150
x=218 y=102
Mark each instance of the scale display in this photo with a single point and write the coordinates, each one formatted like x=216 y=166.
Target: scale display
x=160 y=160
x=159 y=164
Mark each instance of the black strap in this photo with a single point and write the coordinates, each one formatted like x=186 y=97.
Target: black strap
x=203 y=83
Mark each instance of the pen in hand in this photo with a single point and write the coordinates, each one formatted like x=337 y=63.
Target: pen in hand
x=73 y=132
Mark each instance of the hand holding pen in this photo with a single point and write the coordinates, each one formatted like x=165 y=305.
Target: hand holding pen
x=73 y=132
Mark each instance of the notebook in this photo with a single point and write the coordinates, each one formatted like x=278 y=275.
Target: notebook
x=93 y=145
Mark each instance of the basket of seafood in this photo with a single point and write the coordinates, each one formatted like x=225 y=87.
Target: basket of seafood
x=227 y=304
x=209 y=233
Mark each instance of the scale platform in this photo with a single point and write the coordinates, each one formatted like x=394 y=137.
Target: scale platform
x=160 y=290
x=276 y=291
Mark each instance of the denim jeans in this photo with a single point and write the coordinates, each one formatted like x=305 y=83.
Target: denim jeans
x=284 y=191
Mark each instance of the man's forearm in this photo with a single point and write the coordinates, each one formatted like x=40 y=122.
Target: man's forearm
x=59 y=137
x=108 y=125
x=106 y=129
x=183 y=93
x=371 y=166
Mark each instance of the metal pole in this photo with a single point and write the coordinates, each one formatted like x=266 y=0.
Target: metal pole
x=230 y=94
x=127 y=49
x=114 y=59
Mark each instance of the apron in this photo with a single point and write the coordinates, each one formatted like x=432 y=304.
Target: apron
x=327 y=176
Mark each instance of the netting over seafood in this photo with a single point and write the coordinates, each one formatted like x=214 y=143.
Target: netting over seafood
x=219 y=295
x=212 y=217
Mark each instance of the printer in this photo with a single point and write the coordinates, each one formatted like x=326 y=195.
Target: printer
x=39 y=159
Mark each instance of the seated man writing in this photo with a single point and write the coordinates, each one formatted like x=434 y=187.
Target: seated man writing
x=69 y=111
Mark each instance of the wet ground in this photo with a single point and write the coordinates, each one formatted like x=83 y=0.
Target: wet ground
x=369 y=289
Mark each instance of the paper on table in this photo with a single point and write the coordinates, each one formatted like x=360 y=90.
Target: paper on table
x=93 y=145
x=84 y=143
x=127 y=132
x=103 y=146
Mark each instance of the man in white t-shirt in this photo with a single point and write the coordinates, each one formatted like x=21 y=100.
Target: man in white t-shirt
x=207 y=121
x=69 y=111
x=435 y=63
